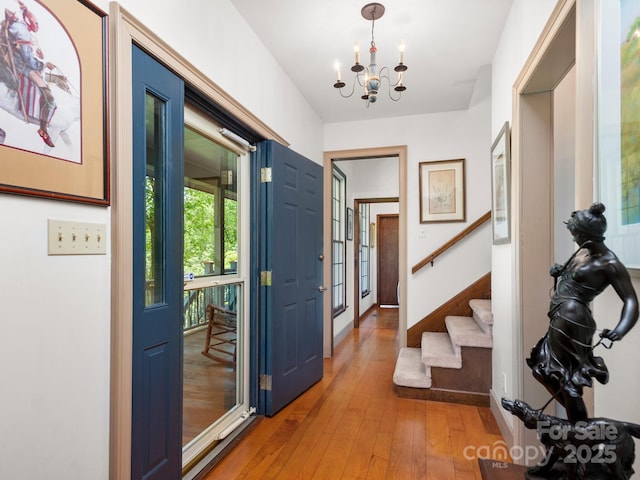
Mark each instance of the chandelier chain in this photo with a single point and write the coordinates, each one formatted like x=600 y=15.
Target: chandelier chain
x=373 y=21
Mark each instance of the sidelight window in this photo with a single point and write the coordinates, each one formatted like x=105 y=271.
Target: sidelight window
x=365 y=269
x=338 y=272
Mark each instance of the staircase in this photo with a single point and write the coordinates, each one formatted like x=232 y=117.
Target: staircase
x=452 y=366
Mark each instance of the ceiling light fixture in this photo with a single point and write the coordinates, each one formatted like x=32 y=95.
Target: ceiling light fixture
x=370 y=78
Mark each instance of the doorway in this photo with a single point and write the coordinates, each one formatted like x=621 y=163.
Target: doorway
x=188 y=289
x=129 y=32
x=400 y=152
x=365 y=271
x=537 y=178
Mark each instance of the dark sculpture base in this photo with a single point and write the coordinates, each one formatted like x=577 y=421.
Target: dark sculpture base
x=592 y=472
x=591 y=449
x=496 y=470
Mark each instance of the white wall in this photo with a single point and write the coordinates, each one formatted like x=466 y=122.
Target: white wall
x=55 y=328
x=564 y=153
x=441 y=136
x=54 y=347
x=524 y=24
x=618 y=398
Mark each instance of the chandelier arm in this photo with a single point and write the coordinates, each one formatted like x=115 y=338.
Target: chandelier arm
x=391 y=96
x=353 y=88
x=397 y=83
x=384 y=73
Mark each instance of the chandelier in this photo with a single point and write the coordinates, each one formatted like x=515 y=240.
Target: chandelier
x=370 y=78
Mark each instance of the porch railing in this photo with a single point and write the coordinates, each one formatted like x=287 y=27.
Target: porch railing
x=196 y=301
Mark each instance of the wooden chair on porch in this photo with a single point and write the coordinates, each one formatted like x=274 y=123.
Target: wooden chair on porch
x=221 y=332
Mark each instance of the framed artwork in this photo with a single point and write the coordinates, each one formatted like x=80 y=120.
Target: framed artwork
x=501 y=187
x=442 y=195
x=349 y=223
x=618 y=105
x=54 y=120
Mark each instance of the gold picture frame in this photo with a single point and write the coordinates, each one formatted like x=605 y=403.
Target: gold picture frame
x=442 y=191
x=55 y=141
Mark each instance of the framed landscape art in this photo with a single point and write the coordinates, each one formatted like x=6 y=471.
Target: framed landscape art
x=442 y=194
x=501 y=187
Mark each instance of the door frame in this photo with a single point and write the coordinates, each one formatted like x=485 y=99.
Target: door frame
x=356 y=252
x=399 y=151
x=125 y=30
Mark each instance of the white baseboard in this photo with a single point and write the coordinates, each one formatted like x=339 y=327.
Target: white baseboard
x=341 y=335
x=503 y=418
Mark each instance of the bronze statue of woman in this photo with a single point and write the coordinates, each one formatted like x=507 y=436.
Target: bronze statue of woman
x=563 y=359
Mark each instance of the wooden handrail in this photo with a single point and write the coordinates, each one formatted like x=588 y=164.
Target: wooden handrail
x=432 y=256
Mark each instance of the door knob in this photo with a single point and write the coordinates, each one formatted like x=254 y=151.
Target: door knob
x=321 y=257
x=322 y=289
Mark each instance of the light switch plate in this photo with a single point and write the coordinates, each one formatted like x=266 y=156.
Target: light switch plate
x=76 y=238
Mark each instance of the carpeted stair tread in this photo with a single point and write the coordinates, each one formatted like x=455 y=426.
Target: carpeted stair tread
x=410 y=371
x=482 y=314
x=465 y=332
x=438 y=351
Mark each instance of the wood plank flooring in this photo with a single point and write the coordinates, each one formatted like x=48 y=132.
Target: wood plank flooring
x=351 y=425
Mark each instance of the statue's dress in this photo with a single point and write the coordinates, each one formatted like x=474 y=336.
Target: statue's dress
x=563 y=359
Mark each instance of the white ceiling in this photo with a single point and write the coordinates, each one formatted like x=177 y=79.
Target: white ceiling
x=447 y=42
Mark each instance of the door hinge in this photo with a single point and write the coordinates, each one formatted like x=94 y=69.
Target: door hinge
x=265 y=175
x=265 y=278
x=265 y=382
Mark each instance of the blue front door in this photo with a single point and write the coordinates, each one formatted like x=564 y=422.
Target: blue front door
x=158 y=109
x=291 y=256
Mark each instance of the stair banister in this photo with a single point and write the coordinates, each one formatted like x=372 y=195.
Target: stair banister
x=432 y=256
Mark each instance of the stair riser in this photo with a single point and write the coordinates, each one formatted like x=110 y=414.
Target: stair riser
x=474 y=376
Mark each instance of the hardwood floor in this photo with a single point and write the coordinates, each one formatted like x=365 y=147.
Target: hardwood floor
x=351 y=425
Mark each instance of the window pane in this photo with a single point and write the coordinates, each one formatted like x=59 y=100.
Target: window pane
x=210 y=206
x=338 y=207
x=364 y=249
x=154 y=201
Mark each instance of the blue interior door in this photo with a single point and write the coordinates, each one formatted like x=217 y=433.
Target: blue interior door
x=157 y=270
x=291 y=249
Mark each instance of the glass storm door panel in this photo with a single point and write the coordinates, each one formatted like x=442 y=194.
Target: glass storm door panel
x=214 y=366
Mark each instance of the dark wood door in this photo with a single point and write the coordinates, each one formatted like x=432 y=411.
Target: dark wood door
x=291 y=306
x=387 y=245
